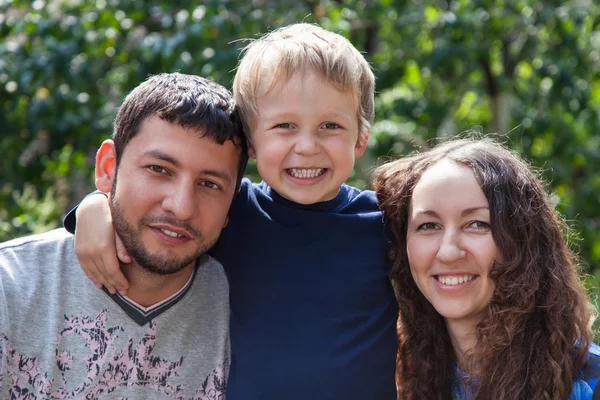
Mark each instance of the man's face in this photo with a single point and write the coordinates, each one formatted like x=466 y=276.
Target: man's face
x=170 y=201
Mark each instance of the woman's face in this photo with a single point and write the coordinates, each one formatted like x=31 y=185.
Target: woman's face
x=449 y=242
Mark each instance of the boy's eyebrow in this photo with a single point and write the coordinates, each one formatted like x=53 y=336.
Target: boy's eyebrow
x=338 y=114
x=172 y=160
x=289 y=114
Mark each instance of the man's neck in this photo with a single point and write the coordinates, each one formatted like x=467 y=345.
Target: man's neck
x=147 y=288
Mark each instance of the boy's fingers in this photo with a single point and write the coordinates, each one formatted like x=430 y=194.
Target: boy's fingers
x=104 y=281
x=121 y=251
x=111 y=272
x=92 y=272
x=102 y=278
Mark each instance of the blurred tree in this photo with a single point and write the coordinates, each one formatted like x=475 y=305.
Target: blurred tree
x=525 y=70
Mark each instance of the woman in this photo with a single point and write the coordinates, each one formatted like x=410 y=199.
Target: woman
x=491 y=305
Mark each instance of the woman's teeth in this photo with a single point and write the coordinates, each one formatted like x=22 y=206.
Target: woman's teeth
x=455 y=280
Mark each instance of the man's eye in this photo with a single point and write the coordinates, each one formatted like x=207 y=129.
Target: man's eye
x=330 y=125
x=156 y=168
x=210 y=185
x=427 y=226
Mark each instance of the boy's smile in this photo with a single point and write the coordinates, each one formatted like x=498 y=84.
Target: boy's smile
x=306 y=138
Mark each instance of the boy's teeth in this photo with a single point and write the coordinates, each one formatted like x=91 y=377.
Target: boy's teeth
x=306 y=172
x=170 y=233
x=455 y=280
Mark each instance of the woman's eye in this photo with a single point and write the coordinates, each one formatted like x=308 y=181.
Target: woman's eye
x=427 y=226
x=479 y=224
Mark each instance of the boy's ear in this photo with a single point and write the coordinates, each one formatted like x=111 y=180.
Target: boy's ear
x=106 y=166
x=361 y=144
x=251 y=152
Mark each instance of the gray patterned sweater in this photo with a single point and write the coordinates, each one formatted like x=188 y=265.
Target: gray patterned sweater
x=63 y=338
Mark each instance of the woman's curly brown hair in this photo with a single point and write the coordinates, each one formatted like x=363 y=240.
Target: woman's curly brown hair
x=533 y=338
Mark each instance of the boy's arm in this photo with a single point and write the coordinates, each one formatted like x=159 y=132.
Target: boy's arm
x=96 y=244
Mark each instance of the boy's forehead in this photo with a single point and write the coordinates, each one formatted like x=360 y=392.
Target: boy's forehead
x=273 y=84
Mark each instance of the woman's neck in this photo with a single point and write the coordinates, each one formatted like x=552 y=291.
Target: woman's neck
x=462 y=337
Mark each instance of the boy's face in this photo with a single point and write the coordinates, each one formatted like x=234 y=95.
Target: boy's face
x=306 y=138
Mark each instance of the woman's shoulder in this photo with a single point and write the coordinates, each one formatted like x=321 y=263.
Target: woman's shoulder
x=585 y=386
x=591 y=369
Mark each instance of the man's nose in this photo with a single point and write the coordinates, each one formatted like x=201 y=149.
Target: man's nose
x=181 y=201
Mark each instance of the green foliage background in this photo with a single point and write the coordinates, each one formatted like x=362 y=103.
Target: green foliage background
x=525 y=70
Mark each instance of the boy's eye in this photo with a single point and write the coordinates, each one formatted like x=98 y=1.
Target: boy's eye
x=210 y=185
x=157 y=168
x=285 y=125
x=427 y=226
x=330 y=125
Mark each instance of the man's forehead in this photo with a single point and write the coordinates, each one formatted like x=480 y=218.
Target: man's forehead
x=180 y=146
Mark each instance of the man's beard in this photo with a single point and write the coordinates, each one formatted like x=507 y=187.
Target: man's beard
x=156 y=263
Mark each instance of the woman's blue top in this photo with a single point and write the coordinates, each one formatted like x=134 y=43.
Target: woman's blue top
x=583 y=387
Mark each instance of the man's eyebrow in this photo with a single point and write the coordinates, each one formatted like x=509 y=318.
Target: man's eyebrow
x=162 y=156
x=218 y=174
x=173 y=161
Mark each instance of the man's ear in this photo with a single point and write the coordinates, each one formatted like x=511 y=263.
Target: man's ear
x=106 y=166
x=361 y=144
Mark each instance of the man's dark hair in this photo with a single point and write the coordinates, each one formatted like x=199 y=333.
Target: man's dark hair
x=189 y=101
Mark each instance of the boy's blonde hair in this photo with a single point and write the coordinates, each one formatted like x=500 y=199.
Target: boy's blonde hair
x=277 y=55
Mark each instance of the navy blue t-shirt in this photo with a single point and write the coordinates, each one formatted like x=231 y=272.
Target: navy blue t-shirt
x=313 y=313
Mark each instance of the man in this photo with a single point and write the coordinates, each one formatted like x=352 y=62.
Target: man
x=170 y=172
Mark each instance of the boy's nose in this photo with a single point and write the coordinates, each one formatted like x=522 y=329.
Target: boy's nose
x=307 y=144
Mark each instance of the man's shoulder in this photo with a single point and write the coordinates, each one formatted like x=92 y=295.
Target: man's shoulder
x=213 y=267
x=36 y=252
x=24 y=243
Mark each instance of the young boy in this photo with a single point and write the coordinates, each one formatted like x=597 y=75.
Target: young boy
x=313 y=313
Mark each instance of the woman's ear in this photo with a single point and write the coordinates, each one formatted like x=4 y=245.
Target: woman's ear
x=106 y=166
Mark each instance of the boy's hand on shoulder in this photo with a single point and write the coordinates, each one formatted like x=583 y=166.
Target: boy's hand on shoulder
x=97 y=245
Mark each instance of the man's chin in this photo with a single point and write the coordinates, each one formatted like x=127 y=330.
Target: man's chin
x=161 y=265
